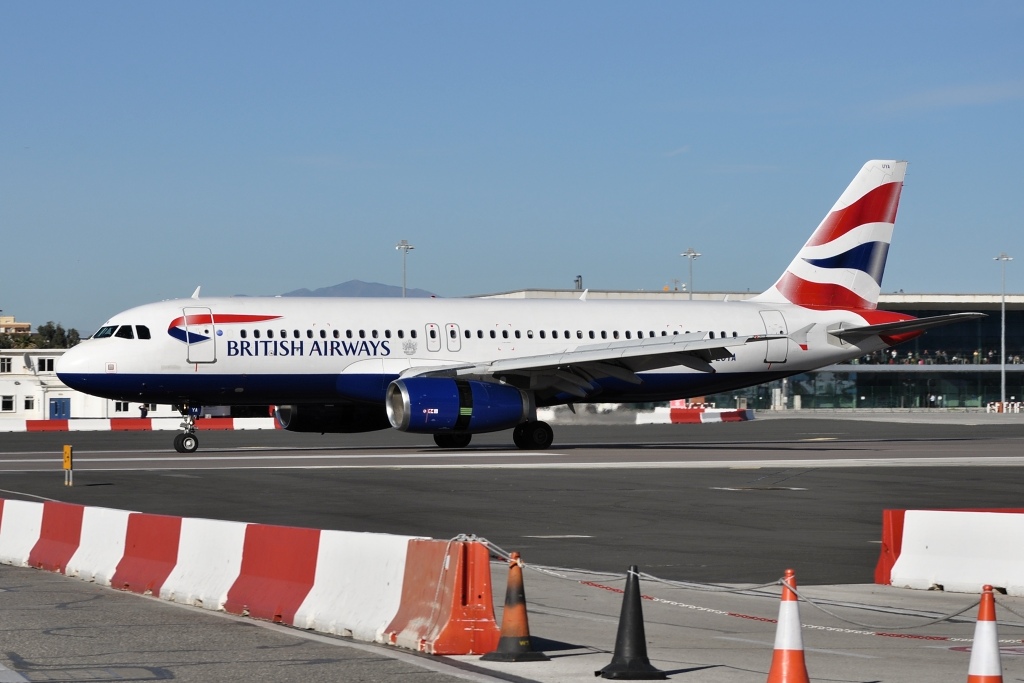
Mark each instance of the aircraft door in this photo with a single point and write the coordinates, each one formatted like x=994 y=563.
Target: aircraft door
x=200 y=335
x=451 y=334
x=433 y=337
x=776 y=350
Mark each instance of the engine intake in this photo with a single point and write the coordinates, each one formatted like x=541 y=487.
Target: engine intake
x=431 y=405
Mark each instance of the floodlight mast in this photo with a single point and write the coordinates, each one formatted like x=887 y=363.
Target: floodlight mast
x=405 y=248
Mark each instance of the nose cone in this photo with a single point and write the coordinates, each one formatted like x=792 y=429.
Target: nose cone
x=77 y=366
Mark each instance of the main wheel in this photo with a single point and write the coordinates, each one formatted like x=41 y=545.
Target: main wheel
x=189 y=443
x=453 y=440
x=533 y=436
x=178 y=438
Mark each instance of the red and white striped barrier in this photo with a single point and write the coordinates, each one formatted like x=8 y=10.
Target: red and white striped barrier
x=135 y=424
x=428 y=595
x=953 y=550
x=664 y=416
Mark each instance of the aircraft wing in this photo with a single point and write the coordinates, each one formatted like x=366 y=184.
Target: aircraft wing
x=854 y=334
x=575 y=371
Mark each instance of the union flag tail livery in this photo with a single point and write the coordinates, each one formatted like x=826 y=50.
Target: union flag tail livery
x=452 y=368
x=841 y=265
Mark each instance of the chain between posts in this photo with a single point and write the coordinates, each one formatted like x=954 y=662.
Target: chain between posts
x=566 y=573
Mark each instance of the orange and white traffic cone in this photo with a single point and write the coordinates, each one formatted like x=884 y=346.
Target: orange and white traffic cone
x=788 y=664
x=985 y=666
x=515 y=643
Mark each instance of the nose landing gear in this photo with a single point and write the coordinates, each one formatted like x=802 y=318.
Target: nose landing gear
x=187 y=442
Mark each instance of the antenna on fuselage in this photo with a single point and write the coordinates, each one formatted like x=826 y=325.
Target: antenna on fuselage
x=195 y=294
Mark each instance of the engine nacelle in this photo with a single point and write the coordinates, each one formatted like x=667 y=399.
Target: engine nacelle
x=431 y=405
x=337 y=418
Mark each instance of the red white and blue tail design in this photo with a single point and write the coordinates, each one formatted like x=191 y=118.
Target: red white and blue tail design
x=841 y=265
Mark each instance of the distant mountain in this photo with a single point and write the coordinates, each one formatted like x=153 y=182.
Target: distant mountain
x=360 y=288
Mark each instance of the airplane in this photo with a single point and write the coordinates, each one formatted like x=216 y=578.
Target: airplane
x=457 y=367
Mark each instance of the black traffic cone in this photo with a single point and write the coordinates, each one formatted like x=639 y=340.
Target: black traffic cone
x=630 y=662
x=515 y=645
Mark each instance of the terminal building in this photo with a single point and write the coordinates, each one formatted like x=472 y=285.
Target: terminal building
x=953 y=367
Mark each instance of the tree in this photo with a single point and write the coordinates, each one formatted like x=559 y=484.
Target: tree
x=54 y=336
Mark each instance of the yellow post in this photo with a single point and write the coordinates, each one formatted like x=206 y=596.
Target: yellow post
x=69 y=473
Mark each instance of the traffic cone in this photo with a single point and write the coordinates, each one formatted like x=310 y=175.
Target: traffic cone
x=788 y=664
x=985 y=666
x=630 y=662
x=514 y=644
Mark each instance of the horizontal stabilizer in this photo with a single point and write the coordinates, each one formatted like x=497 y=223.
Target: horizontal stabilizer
x=904 y=326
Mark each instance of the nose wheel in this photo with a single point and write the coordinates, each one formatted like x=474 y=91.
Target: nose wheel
x=187 y=442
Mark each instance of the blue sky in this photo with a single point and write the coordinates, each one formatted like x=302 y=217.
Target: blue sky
x=257 y=148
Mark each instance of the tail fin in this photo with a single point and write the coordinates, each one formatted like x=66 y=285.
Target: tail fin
x=841 y=265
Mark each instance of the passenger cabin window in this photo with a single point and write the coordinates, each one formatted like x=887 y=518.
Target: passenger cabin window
x=243 y=334
x=323 y=334
x=125 y=332
x=270 y=334
x=412 y=333
x=433 y=334
x=142 y=332
x=255 y=334
x=309 y=333
x=401 y=334
x=492 y=334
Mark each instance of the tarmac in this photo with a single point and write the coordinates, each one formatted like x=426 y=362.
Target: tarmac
x=55 y=628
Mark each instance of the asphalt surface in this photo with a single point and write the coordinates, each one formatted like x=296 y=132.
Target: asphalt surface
x=731 y=503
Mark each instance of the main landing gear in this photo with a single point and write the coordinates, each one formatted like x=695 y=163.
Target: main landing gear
x=533 y=435
x=528 y=436
x=187 y=442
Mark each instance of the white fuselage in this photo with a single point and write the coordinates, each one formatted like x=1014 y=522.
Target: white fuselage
x=279 y=350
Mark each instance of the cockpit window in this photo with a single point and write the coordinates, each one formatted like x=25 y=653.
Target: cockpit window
x=105 y=331
x=125 y=332
x=142 y=332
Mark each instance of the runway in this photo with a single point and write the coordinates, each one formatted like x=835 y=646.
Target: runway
x=730 y=502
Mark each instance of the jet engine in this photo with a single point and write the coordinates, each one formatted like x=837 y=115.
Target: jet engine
x=432 y=405
x=336 y=418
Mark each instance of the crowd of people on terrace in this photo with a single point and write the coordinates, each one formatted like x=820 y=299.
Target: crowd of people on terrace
x=897 y=357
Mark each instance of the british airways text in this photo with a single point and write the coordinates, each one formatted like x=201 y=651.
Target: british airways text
x=273 y=347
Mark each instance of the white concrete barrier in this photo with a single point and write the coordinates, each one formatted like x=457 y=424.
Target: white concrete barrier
x=960 y=551
x=358 y=584
x=19 y=530
x=209 y=559
x=101 y=546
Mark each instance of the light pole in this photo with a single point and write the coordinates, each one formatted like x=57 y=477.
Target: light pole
x=1002 y=258
x=690 y=254
x=405 y=247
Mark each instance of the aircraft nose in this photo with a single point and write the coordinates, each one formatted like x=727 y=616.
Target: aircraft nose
x=75 y=365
